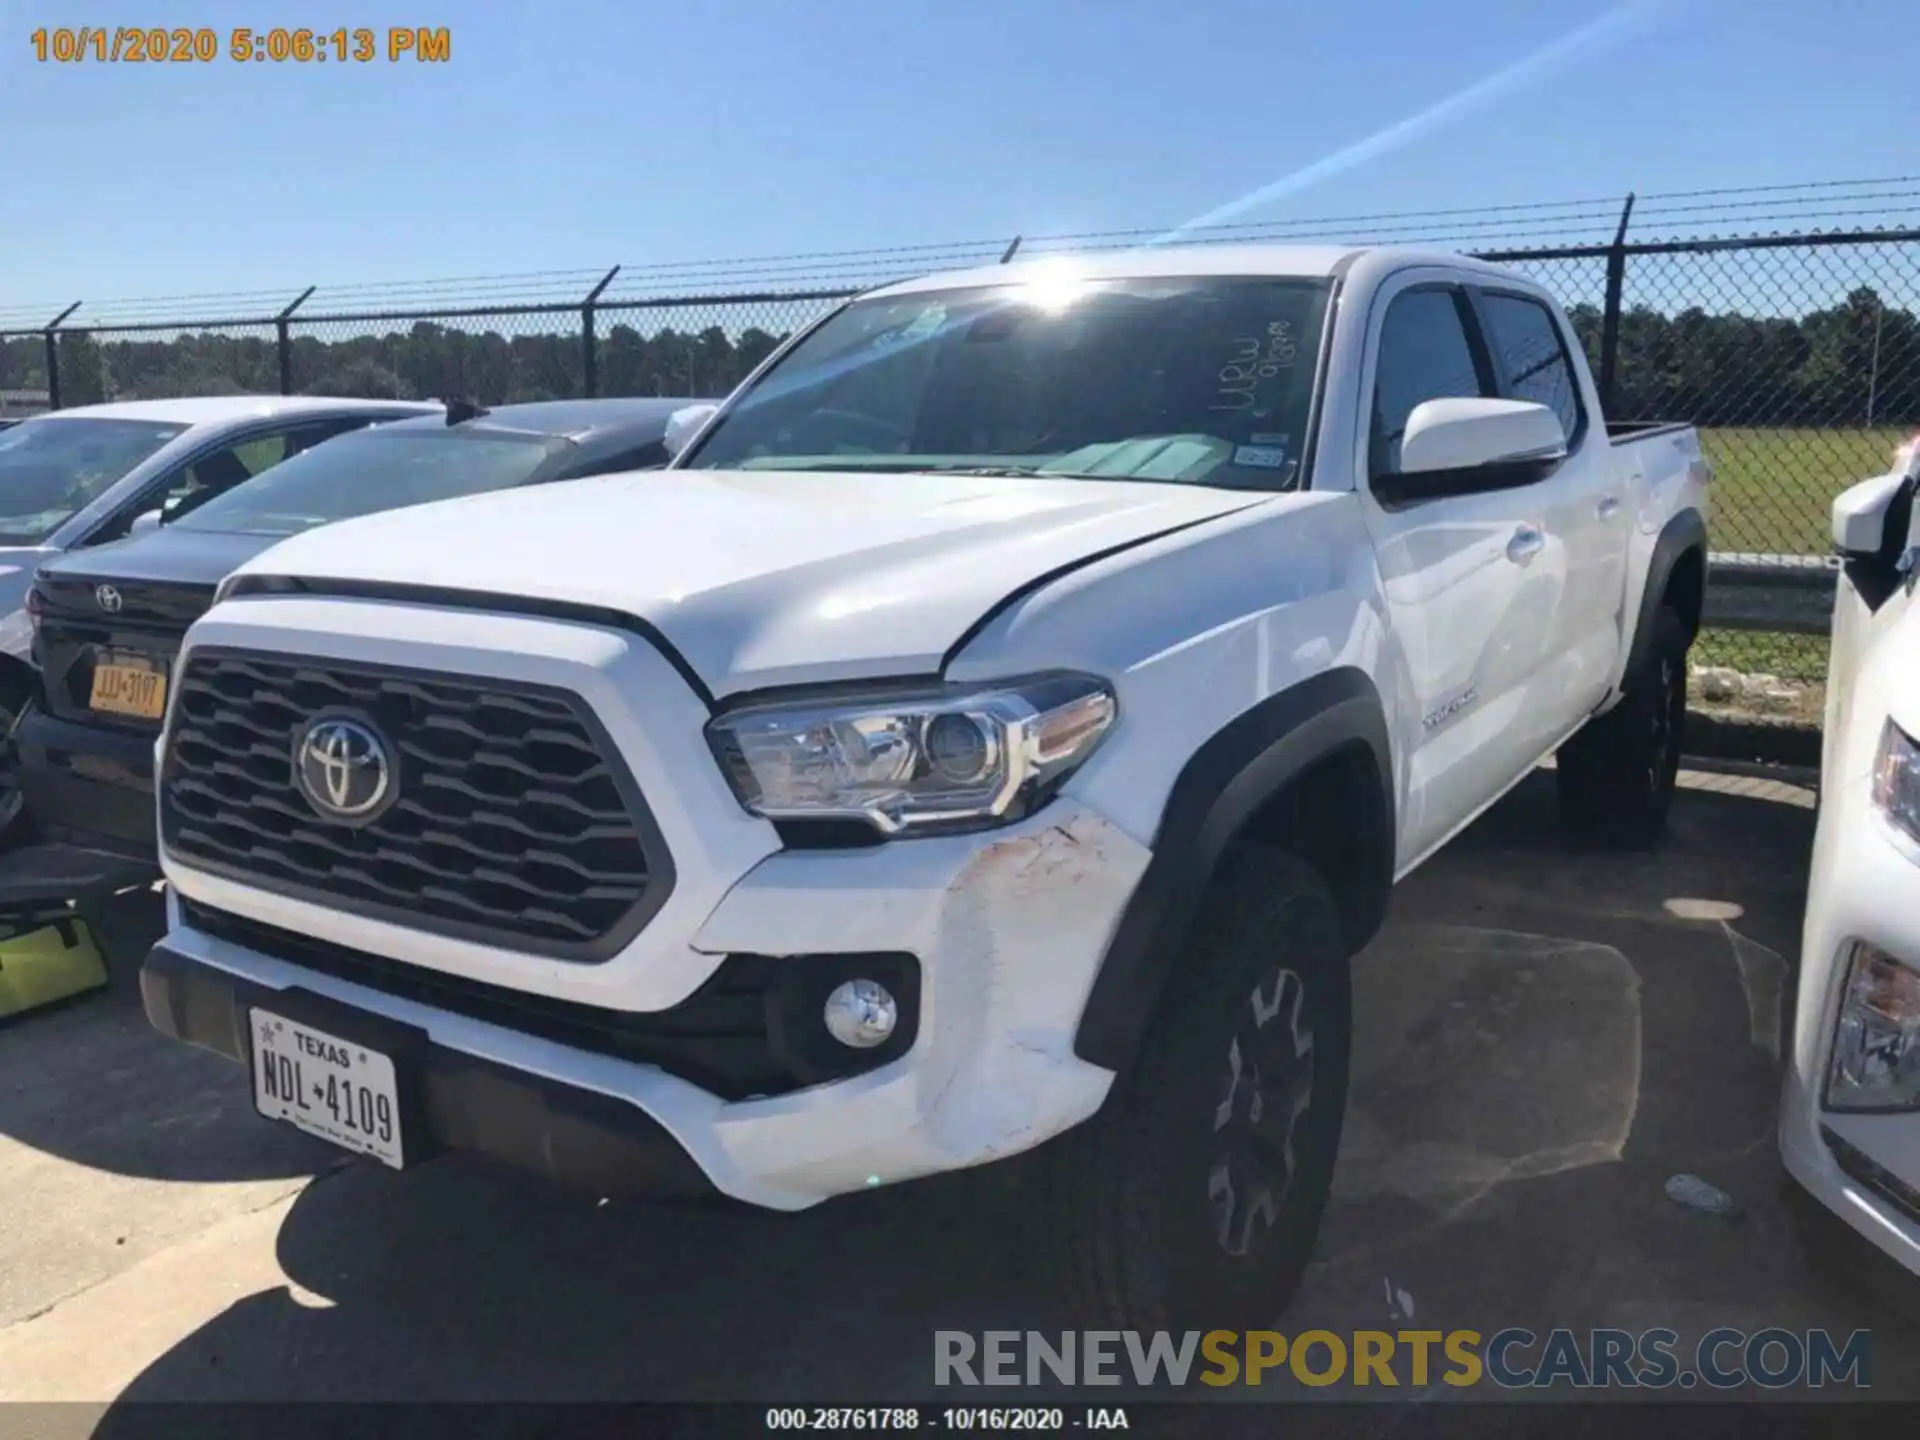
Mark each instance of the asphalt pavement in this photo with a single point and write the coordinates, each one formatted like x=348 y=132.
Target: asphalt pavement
x=1544 y=1040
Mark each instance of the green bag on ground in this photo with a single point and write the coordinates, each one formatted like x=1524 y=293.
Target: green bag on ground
x=48 y=964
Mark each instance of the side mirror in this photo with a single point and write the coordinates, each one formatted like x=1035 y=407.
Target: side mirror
x=1443 y=435
x=684 y=424
x=145 y=524
x=1860 y=515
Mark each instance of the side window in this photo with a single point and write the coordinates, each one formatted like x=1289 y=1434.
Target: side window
x=1532 y=356
x=219 y=472
x=1425 y=354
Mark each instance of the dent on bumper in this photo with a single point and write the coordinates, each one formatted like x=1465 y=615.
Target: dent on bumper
x=1009 y=926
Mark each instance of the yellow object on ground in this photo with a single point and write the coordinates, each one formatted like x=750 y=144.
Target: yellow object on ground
x=53 y=963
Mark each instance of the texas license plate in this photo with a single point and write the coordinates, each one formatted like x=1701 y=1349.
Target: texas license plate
x=129 y=685
x=336 y=1089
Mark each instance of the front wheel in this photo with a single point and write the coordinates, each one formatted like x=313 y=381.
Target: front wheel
x=1617 y=775
x=1193 y=1198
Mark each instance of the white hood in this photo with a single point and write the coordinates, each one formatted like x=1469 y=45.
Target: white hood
x=762 y=578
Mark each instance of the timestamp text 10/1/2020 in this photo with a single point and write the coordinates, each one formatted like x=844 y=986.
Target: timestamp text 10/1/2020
x=132 y=44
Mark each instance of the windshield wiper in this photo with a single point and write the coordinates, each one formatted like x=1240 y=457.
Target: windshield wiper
x=1002 y=472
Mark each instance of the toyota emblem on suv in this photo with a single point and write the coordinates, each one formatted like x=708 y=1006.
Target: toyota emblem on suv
x=107 y=598
x=344 y=769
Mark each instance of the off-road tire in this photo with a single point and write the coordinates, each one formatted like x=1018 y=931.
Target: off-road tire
x=1136 y=1237
x=1617 y=775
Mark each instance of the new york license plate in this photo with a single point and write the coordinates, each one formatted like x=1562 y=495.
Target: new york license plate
x=129 y=685
x=333 y=1088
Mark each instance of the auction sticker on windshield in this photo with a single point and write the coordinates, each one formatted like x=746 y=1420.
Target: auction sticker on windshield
x=326 y=1086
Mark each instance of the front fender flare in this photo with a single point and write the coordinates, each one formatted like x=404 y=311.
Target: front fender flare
x=1221 y=787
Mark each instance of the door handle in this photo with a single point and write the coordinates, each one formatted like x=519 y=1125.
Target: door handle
x=1526 y=543
x=1608 y=507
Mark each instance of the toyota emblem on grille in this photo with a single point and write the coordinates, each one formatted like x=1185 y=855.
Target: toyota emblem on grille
x=108 y=599
x=344 y=769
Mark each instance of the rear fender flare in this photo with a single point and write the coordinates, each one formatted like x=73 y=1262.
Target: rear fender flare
x=1684 y=532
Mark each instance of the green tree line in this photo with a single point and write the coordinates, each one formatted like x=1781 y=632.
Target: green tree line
x=1822 y=368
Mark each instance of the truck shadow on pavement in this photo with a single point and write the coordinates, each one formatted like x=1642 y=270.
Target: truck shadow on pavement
x=1544 y=1040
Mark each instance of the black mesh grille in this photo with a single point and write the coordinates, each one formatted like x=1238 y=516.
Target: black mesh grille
x=512 y=821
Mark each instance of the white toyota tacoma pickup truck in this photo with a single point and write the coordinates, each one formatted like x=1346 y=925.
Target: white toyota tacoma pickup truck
x=1002 y=721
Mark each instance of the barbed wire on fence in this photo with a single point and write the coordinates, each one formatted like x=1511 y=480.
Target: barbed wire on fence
x=1798 y=354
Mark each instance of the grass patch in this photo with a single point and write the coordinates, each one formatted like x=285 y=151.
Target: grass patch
x=1759 y=652
x=1773 y=489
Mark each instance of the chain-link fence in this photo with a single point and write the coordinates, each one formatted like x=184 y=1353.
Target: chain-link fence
x=1798 y=356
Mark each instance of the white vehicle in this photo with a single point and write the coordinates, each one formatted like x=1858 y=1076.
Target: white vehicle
x=1850 y=1113
x=73 y=479
x=1004 y=718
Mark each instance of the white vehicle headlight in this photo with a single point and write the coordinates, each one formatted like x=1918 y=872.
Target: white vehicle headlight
x=1876 y=1041
x=907 y=762
x=1896 y=781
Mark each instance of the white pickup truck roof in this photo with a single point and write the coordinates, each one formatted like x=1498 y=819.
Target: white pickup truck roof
x=1173 y=261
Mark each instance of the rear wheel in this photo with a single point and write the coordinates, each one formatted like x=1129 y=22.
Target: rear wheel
x=1193 y=1198
x=1616 y=777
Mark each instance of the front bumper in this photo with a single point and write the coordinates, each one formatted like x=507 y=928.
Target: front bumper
x=1008 y=929
x=572 y=1135
x=1865 y=1167
x=87 y=785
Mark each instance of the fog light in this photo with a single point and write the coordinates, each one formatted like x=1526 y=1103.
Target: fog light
x=1876 y=1041
x=861 y=1014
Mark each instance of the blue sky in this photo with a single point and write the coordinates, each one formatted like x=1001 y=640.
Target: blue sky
x=566 y=135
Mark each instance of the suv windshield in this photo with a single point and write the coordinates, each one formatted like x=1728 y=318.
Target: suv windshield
x=372 y=470
x=1205 y=380
x=52 y=468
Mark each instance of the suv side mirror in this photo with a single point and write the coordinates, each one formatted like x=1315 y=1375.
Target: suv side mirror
x=684 y=424
x=1464 y=446
x=145 y=524
x=1860 y=515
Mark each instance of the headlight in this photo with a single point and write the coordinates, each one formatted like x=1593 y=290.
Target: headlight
x=942 y=758
x=1896 y=781
x=1876 y=1041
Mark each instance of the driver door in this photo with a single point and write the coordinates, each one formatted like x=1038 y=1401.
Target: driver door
x=1472 y=581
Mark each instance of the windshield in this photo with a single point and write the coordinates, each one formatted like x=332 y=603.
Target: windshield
x=372 y=470
x=1201 y=380
x=53 y=468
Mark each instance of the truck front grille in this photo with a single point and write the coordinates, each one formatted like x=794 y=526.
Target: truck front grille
x=513 y=819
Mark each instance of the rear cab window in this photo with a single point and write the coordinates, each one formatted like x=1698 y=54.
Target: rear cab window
x=1531 y=354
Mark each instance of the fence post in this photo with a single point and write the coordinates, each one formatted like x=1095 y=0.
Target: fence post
x=589 y=348
x=283 y=340
x=1007 y=254
x=1610 y=317
x=53 y=356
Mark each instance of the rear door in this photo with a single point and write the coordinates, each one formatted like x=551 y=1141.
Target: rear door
x=1472 y=581
x=1585 y=509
